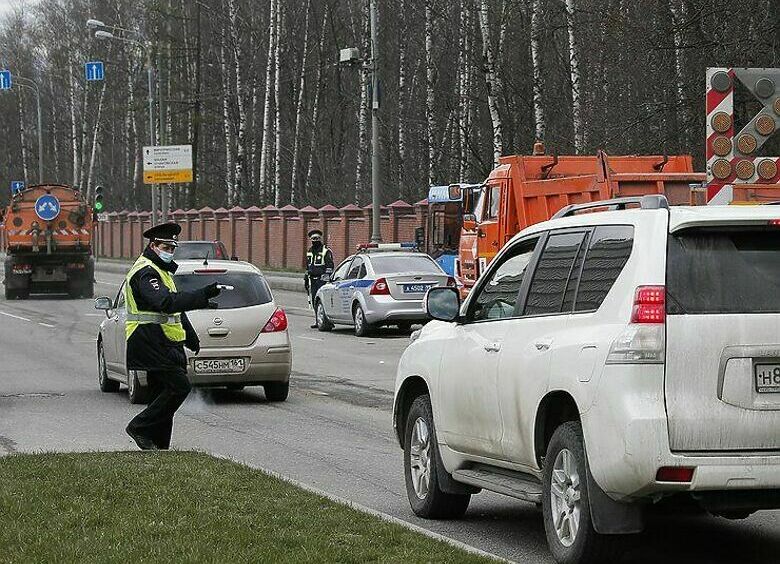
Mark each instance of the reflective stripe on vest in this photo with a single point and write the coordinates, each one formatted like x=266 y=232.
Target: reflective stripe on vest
x=318 y=259
x=171 y=324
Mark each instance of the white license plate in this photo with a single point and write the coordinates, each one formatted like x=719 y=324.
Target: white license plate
x=416 y=288
x=220 y=366
x=767 y=378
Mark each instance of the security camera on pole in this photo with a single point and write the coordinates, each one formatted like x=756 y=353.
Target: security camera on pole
x=351 y=57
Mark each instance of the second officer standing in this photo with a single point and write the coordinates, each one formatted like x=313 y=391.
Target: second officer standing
x=319 y=268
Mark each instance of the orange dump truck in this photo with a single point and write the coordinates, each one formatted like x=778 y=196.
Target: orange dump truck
x=524 y=190
x=48 y=242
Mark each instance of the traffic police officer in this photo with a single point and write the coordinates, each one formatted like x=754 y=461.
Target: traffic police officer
x=319 y=267
x=157 y=330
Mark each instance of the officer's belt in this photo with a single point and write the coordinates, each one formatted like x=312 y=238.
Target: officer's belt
x=160 y=318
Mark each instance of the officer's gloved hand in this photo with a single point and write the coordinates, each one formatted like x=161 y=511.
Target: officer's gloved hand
x=193 y=345
x=211 y=291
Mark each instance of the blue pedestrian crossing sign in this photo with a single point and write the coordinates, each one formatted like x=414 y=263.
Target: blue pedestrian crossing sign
x=94 y=70
x=47 y=207
x=5 y=80
x=17 y=186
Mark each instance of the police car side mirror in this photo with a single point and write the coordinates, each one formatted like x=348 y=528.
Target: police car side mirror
x=104 y=304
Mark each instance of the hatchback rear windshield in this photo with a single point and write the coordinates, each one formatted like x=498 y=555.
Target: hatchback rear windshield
x=418 y=264
x=249 y=289
x=723 y=271
x=189 y=250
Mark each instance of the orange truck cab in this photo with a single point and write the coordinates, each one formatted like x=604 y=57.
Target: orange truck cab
x=523 y=190
x=47 y=235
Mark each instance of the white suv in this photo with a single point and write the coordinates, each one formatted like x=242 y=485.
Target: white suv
x=602 y=363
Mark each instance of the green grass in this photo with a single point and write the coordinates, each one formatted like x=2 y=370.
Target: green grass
x=185 y=507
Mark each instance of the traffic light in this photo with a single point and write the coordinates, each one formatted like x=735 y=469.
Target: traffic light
x=99 y=205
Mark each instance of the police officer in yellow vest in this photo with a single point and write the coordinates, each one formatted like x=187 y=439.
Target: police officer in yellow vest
x=157 y=331
x=319 y=267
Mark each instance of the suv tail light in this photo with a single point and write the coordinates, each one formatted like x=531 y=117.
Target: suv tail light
x=680 y=474
x=644 y=340
x=380 y=288
x=277 y=323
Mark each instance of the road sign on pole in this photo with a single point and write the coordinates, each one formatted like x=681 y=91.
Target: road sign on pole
x=17 y=186
x=5 y=80
x=94 y=70
x=168 y=164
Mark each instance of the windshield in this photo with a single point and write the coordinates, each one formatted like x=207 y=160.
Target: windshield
x=190 y=250
x=723 y=271
x=249 y=289
x=388 y=264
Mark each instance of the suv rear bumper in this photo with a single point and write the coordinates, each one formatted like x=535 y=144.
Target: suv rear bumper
x=625 y=459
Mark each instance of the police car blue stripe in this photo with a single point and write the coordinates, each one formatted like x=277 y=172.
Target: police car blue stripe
x=355 y=284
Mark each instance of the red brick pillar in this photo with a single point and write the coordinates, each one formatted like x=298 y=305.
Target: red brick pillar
x=113 y=221
x=189 y=217
x=235 y=214
x=122 y=217
x=251 y=214
x=348 y=214
x=204 y=214
x=399 y=209
x=327 y=214
x=310 y=219
x=289 y=214
x=220 y=214
x=267 y=213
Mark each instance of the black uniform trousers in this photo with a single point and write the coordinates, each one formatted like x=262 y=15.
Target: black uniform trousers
x=167 y=391
x=314 y=287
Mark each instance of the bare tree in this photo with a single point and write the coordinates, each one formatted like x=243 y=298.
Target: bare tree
x=492 y=82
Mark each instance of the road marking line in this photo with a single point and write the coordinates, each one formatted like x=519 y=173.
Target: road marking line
x=107 y=283
x=42 y=324
x=15 y=316
x=311 y=338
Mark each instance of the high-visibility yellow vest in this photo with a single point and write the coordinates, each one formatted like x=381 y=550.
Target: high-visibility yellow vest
x=317 y=259
x=171 y=324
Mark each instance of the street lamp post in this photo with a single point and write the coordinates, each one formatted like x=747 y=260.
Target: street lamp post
x=32 y=85
x=146 y=47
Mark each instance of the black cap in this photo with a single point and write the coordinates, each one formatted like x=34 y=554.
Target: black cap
x=164 y=233
x=315 y=232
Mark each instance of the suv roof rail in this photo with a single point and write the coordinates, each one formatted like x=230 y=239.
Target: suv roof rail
x=650 y=202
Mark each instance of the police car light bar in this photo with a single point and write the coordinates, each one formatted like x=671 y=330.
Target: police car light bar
x=386 y=246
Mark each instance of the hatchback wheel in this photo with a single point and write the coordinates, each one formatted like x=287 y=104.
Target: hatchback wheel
x=565 y=506
x=362 y=327
x=277 y=391
x=106 y=384
x=136 y=393
x=423 y=466
x=323 y=323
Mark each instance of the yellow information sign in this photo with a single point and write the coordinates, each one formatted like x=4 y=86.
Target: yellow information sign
x=168 y=176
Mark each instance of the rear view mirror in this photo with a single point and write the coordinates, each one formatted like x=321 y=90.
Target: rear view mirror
x=443 y=303
x=104 y=304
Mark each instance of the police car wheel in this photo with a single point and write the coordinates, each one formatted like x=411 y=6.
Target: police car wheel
x=362 y=327
x=323 y=323
x=136 y=393
x=107 y=385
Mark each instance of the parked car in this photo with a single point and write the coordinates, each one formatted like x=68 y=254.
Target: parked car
x=244 y=342
x=211 y=250
x=604 y=362
x=380 y=285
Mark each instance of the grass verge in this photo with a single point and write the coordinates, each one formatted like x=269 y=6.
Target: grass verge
x=185 y=507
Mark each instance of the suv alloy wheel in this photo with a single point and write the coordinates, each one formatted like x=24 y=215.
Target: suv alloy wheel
x=423 y=466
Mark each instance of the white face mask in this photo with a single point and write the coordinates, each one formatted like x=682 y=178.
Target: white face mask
x=165 y=256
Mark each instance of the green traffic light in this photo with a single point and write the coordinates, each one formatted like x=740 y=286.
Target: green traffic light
x=98 y=207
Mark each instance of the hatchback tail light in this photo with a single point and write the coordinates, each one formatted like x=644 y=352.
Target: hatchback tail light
x=644 y=340
x=380 y=288
x=277 y=323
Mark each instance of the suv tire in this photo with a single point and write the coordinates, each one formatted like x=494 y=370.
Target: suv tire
x=565 y=492
x=107 y=385
x=423 y=466
x=323 y=323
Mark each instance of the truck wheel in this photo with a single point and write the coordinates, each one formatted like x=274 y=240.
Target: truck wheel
x=565 y=503
x=107 y=385
x=362 y=327
x=136 y=393
x=423 y=466
x=323 y=323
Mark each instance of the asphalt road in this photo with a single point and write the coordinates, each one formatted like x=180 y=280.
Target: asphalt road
x=333 y=433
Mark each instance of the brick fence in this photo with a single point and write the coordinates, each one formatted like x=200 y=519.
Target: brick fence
x=268 y=237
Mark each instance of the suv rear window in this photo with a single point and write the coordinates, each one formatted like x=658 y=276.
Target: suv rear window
x=249 y=289
x=723 y=271
x=608 y=252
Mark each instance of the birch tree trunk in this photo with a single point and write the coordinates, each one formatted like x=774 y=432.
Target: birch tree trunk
x=536 y=61
x=362 y=156
x=677 y=9
x=265 y=149
x=430 y=96
x=239 y=188
x=464 y=89
x=402 y=48
x=229 y=186
x=299 y=109
x=73 y=126
x=574 y=72
x=277 y=107
x=23 y=137
x=492 y=82
x=315 y=112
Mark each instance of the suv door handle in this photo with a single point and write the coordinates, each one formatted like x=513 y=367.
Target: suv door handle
x=493 y=347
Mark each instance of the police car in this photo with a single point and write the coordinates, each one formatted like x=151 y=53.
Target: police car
x=382 y=284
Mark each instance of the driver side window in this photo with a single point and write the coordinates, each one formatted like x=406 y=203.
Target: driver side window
x=497 y=298
x=341 y=271
x=355 y=269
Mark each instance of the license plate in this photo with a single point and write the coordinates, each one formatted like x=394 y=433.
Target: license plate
x=416 y=288
x=220 y=366
x=768 y=378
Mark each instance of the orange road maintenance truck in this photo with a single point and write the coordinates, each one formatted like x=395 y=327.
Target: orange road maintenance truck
x=48 y=233
x=523 y=190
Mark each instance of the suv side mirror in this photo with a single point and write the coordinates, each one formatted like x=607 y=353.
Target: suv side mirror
x=104 y=304
x=443 y=303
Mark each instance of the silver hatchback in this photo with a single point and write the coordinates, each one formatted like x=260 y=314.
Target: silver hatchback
x=244 y=342
x=376 y=287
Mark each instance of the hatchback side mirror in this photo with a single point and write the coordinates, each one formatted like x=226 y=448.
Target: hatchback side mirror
x=443 y=303
x=104 y=304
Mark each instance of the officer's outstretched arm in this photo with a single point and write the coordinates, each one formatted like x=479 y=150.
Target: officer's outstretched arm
x=147 y=284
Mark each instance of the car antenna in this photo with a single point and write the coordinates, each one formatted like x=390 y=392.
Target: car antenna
x=206 y=260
